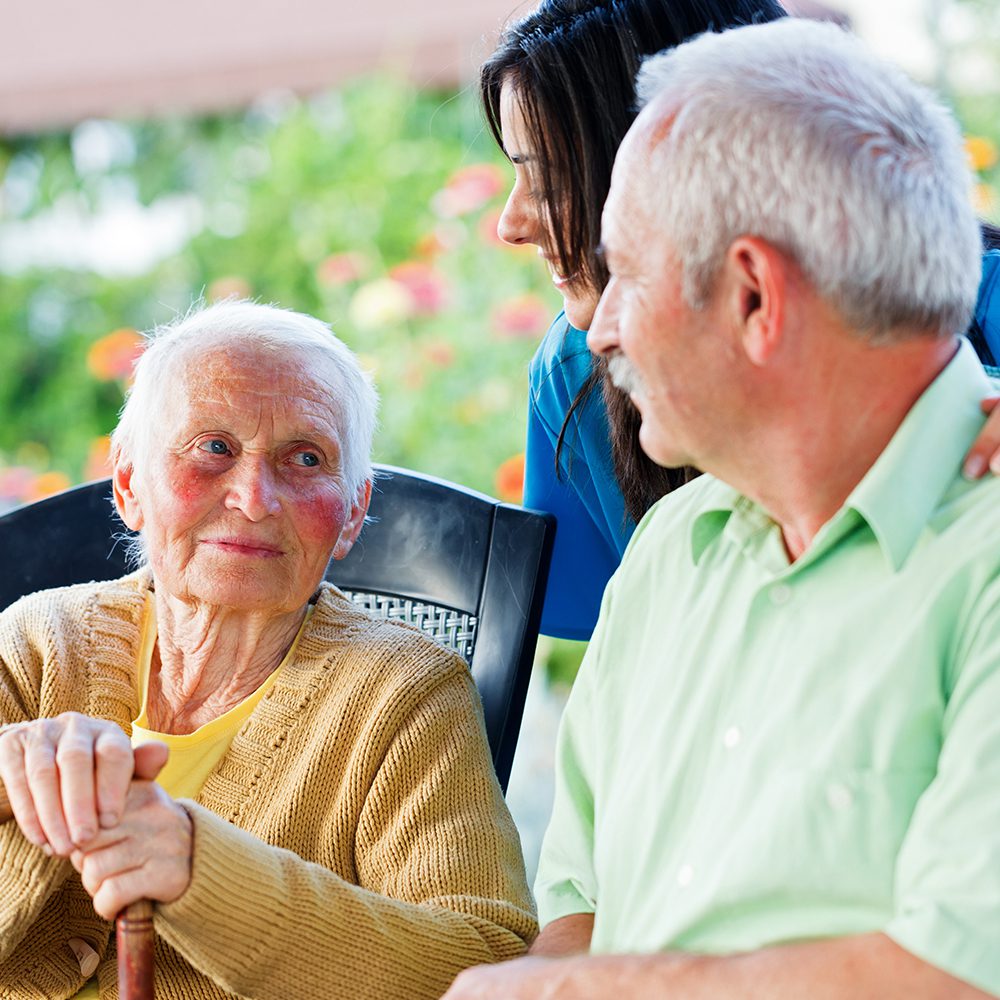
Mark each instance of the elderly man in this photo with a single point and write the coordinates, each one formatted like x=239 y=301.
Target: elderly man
x=778 y=769
x=328 y=823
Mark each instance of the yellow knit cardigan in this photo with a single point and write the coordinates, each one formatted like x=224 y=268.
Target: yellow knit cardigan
x=353 y=843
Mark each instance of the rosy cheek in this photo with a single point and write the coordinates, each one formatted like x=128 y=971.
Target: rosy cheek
x=319 y=515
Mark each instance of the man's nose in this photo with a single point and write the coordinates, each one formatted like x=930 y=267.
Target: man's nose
x=602 y=337
x=254 y=488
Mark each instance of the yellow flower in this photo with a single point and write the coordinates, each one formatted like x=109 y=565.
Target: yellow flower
x=984 y=200
x=982 y=152
x=380 y=304
x=47 y=484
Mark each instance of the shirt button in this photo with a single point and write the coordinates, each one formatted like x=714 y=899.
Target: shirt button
x=732 y=737
x=839 y=796
x=781 y=594
x=685 y=876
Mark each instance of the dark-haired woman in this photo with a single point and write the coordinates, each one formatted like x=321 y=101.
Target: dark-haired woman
x=559 y=97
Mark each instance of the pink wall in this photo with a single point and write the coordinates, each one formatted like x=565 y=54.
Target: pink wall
x=61 y=61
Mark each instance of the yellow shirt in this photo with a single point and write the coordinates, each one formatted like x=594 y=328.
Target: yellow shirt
x=193 y=756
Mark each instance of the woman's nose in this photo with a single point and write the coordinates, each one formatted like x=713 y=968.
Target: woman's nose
x=518 y=223
x=254 y=489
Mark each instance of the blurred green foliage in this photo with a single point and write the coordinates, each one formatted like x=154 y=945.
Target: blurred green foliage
x=372 y=207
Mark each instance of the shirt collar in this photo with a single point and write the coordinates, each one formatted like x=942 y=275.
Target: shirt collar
x=906 y=484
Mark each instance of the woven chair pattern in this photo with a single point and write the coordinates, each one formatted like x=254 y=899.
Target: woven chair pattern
x=451 y=628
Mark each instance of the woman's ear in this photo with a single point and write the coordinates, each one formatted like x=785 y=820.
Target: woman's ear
x=758 y=283
x=126 y=502
x=355 y=521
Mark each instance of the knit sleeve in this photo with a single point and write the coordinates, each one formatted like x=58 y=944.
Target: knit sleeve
x=441 y=880
x=42 y=902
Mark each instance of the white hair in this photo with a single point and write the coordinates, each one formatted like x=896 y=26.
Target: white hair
x=268 y=329
x=795 y=133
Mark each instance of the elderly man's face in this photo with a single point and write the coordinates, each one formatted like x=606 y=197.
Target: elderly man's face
x=663 y=353
x=241 y=495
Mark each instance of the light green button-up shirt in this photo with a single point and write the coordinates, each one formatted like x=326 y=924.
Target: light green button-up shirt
x=757 y=752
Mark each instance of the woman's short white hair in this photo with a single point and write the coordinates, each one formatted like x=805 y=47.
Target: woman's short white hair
x=794 y=132
x=268 y=329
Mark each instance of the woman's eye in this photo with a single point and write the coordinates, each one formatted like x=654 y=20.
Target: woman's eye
x=215 y=446
x=307 y=458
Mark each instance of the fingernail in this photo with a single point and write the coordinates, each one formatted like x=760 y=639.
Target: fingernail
x=47 y=850
x=975 y=466
x=85 y=955
x=84 y=835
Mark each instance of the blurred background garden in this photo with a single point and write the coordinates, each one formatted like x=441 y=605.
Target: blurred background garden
x=370 y=201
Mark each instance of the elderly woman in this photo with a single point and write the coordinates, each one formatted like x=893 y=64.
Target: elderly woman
x=327 y=822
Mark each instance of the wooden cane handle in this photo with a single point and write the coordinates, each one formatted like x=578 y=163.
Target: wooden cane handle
x=134 y=935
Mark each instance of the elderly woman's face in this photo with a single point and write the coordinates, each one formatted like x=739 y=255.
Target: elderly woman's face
x=241 y=494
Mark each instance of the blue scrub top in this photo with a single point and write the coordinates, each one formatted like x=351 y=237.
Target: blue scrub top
x=592 y=528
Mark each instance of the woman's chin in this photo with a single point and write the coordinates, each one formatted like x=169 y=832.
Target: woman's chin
x=580 y=310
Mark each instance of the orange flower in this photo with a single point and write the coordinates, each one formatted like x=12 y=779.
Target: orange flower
x=426 y=287
x=113 y=356
x=231 y=286
x=439 y=353
x=509 y=481
x=46 y=484
x=525 y=316
x=98 y=464
x=469 y=189
x=982 y=152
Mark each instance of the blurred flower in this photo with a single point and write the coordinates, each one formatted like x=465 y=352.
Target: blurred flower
x=341 y=268
x=468 y=189
x=496 y=396
x=113 y=356
x=445 y=236
x=98 y=464
x=439 y=353
x=984 y=200
x=231 y=286
x=426 y=287
x=379 y=304
x=15 y=483
x=525 y=316
x=414 y=376
x=46 y=484
x=982 y=152
x=509 y=480
x=369 y=363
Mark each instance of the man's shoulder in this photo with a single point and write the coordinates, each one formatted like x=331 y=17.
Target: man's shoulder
x=672 y=517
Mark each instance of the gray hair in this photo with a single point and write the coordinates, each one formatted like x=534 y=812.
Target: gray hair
x=270 y=329
x=795 y=133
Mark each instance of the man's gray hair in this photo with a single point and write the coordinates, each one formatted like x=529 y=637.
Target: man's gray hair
x=268 y=329
x=795 y=133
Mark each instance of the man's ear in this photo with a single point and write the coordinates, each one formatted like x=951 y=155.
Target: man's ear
x=355 y=521
x=126 y=502
x=758 y=283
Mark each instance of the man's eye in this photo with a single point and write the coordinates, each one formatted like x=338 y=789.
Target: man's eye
x=307 y=458
x=215 y=446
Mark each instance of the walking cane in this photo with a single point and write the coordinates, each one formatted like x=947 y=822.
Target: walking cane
x=134 y=935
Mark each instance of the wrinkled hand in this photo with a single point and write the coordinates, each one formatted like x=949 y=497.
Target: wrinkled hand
x=67 y=778
x=523 y=979
x=145 y=856
x=985 y=451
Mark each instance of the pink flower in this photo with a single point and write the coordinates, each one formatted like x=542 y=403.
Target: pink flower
x=232 y=286
x=469 y=189
x=341 y=268
x=426 y=287
x=525 y=316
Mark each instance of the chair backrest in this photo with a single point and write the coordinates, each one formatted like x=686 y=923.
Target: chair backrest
x=466 y=569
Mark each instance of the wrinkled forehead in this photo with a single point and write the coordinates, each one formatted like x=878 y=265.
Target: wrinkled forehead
x=230 y=374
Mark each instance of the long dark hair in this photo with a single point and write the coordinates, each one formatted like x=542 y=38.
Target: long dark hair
x=573 y=65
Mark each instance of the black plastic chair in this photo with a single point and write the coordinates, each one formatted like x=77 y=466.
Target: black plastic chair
x=466 y=569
